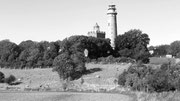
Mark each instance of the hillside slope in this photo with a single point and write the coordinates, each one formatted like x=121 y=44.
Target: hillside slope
x=99 y=76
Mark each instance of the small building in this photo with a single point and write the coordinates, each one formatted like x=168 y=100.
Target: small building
x=96 y=32
x=151 y=51
x=169 y=56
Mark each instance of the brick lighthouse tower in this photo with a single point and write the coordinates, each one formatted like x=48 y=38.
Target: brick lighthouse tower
x=112 y=24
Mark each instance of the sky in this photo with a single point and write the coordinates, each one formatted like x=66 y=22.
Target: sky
x=51 y=20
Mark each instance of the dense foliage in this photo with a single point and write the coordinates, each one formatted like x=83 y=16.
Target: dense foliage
x=151 y=79
x=1 y=77
x=110 y=60
x=9 y=80
x=69 y=66
x=28 y=54
x=175 y=48
x=31 y=54
x=162 y=50
x=70 y=63
x=133 y=44
x=9 y=52
x=97 y=47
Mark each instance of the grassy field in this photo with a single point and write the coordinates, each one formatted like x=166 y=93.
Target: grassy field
x=61 y=96
x=99 y=77
x=35 y=78
x=161 y=60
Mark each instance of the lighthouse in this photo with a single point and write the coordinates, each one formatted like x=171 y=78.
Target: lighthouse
x=112 y=24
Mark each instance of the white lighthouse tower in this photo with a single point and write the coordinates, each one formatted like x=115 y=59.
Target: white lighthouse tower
x=112 y=24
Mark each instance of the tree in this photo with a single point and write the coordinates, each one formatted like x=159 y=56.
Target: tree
x=9 y=53
x=24 y=45
x=28 y=53
x=97 y=47
x=50 y=54
x=70 y=63
x=133 y=44
x=161 y=50
x=141 y=53
x=175 y=48
x=103 y=47
x=79 y=61
x=64 y=65
x=35 y=54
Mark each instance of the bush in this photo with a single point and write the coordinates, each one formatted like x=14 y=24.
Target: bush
x=125 y=60
x=150 y=79
x=64 y=65
x=122 y=78
x=10 y=79
x=2 y=77
x=79 y=61
x=106 y=60
x=69 y=66
x=110 y=60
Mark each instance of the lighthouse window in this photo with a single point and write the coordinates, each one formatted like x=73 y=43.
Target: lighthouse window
x=108 y=24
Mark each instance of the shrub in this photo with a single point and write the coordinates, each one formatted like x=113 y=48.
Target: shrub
x=79 y=61
x=106 y=60
x=10 y=79
x=1 y=77
x=122 y=78
x=64 y=65
x=125 y=60
x=69 y=66
x=150 y=79
x=110 y=59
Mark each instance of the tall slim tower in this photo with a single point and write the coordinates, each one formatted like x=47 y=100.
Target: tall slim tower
x=112 y=24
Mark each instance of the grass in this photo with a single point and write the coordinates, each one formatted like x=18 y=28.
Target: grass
x=61 y=96
x=164 y=96
x=161 y=60
x=33 y=78
x=99 y=76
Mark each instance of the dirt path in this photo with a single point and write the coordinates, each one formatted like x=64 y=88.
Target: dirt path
x=61 y=96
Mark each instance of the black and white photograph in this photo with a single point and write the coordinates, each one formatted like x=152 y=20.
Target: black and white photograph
x=89 y=50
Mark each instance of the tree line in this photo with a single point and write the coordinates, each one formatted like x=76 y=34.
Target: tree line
x=31 y=54
x=28 y=53
x=171 y=49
